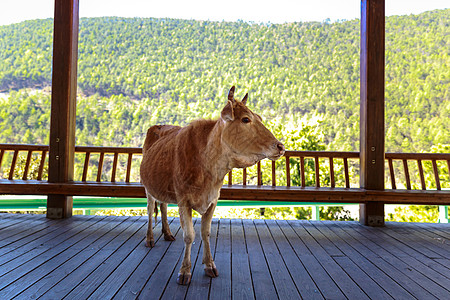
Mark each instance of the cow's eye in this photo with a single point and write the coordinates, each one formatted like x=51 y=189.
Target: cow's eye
x=245 y=120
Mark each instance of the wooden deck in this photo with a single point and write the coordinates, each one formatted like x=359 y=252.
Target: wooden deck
x=105 y=257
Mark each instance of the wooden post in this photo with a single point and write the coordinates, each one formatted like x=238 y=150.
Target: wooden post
x=372 y=107
x=62 y=120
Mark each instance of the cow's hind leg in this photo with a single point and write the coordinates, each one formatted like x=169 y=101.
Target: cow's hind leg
x=184 y=276
x=150 y=241
x=210 y=267
x=165 y=224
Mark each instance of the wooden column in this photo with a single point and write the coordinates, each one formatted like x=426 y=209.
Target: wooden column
x=62 y=122
x=372 y=107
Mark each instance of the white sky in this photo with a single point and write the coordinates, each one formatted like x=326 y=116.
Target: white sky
x=274 y=11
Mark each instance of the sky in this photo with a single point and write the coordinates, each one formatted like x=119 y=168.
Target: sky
x=259 y=11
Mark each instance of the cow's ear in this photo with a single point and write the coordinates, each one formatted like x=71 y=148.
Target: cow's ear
x=244 y=101
x=227 y=113
x=231 y=94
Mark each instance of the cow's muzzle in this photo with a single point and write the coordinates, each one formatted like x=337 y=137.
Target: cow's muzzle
x=279 y=151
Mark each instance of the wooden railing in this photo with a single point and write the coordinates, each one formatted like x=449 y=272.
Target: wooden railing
x=130 y=153
x=419 y=158
x=15 y=150
x=325 y=175
x=301 y=157
x=84 y=155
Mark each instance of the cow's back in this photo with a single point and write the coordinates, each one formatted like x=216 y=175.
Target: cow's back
x=155 y=132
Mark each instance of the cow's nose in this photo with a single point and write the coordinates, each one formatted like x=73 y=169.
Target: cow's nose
x=280 y=147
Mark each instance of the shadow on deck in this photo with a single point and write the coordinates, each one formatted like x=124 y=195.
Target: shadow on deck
x=105 y=257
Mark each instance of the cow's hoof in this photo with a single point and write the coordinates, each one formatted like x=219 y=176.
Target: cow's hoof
x=169 y=237
x=150 y=244
x=212 y=272
x=184 y=279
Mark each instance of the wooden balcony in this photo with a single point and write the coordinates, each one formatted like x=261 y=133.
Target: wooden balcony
x=104 y=257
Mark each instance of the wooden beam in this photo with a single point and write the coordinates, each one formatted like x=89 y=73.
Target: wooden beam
x=63 y=103
x=372 y=107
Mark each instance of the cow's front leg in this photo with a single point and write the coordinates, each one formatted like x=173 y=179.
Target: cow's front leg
x=184 y=276
x=210 y=267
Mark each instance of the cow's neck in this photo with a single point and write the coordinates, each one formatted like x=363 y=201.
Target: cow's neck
x=217 y=154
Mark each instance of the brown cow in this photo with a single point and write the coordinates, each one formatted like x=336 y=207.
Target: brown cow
x=186 y=166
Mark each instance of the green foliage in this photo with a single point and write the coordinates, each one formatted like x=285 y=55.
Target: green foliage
x=133 y=73
x=25 y=117
x=337 y=213
x=415 y=213
x=33 y=169
x=332 y=213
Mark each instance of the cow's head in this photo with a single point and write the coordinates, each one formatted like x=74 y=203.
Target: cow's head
x=247 y=139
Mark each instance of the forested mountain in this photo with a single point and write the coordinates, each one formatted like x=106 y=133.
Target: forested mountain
x=133 y=73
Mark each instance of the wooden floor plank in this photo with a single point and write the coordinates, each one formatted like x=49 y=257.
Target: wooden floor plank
x=263 y=284
x=429 y=279
x=241 y=283
x=114 y=282
x=27 y=274
x=370 y=287
x=305 y=284
x=314 y=239
x=19 y=230
x=32 y=259
x=73 y=263
x=434 y=241
x=22 y=246
x=323 y=240
x=408 y=237
x=415 y=270
x=7 y=220
x=427 y=232
x=161 y=260
x=442 y=265
x=392 y=267
x=129 y=239
x=441 y=229
x=368 y=266
x=367 y=284
x=221 y=286
x=281 y=277
x=324 y=282
x=87 y=260
x=15 y=222
x=421 y=262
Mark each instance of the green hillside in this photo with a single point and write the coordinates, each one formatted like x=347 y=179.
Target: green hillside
x=134 y=73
